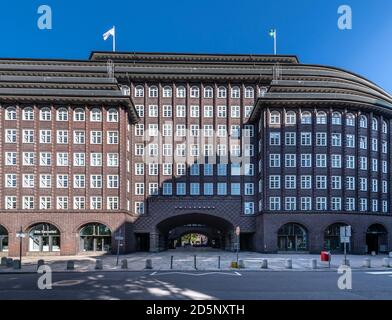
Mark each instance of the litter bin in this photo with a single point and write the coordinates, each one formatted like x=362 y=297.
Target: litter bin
x=325 y=256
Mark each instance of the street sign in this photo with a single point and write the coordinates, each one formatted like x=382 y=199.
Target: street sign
x=237 y=231
x=344 y=239
x=20 y=235
x=345 y=231
x=119 y=238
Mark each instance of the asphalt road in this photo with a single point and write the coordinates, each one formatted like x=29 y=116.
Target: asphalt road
x=197 y=285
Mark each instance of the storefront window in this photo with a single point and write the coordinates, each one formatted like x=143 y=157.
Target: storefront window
x=292 y=237
x=95 y=237
x=3 y=239
x=332 y=238
x=44 y=237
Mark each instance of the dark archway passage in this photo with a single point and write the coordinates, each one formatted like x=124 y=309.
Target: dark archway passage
x=217 y=230
x=376 y=238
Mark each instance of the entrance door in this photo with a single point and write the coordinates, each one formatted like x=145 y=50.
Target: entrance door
x=372 y=242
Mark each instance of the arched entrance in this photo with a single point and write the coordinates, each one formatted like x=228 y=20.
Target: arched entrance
x=376 y=238
x=332 y=238
x=216 y=231
x=44 y=237
x=95 y=237
x=292 y=237
x=3 y=239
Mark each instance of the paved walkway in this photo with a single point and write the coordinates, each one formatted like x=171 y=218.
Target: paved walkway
x=205 y=260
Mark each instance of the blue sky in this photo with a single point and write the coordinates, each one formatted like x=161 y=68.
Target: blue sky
x=306 y=28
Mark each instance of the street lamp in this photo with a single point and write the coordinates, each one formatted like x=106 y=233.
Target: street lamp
x=20 y=235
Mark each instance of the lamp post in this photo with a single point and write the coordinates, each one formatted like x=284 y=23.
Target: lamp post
x=20 y=235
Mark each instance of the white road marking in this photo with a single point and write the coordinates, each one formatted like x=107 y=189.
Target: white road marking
x=196 y=274
x=380 y=272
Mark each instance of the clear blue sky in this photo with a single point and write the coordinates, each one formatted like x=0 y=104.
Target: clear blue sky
x=306 y=28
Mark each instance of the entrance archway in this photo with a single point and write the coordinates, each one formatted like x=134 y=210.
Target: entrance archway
x=293 y=237
x=95 y=237
x=332 y=238
x=44 y=237
x=376 y=238
x=3 y=239
x=217 y=230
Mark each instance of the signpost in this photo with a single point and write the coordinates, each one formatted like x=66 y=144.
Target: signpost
x=238 y=232
x=118 y=238
x=20 y=235
x=345 y=234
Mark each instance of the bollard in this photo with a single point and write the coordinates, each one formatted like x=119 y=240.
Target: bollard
x=171 y=262
x=148 y=264
x=373 y=253
x=219 y=262
x=346 y=262
x=385 y=262
x=313 y=263
x=367 y=263
x=70 y=265
x=288 y=264
x=98 y=265
x=16 y=264
x=390 y=254
x=234 y=265
x=124 y=264
x=264 y=264
x=194 y=262
x=40 y=262
x=241 y=264
x=9 y=263
x=4 y=261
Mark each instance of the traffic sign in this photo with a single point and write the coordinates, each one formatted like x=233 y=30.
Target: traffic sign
x=20 y=235
x=344 y=239
x=345 y=231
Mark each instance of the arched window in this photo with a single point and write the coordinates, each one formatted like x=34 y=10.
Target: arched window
x=350 y=120
x=139 y=92
x=332 y=237
x=336 y=118
x=363 y=121
x=153 y=92
x=10 y=113
x=79 y=115
x=374 y=124
x=181 y=92
x=96 y=115
x=3 y=239
x=167 y=92
x=208 y=92
x=321 y=117
x=377 y=238
x=292 y=237
x=249 y=92
x=275 y=117
x=126 y=91
x=28 y=113
x=44 y=237
x=291 y=118
x=306 y=117
x=384 y=127
x=222 y=92
x=195 y=92
x=235 y=92
x=112 y=115
x=62 y=114
x=95 y=237
x=45 y=114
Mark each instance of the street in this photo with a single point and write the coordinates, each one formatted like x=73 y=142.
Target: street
x=302 y=285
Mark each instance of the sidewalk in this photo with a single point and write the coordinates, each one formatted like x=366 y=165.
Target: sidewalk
x=205 y=261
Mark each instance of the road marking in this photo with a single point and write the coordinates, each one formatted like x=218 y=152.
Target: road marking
x=236 y=274
x=380 y=272
x=65 y=283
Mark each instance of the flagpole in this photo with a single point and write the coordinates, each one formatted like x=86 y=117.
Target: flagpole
x=275 y=41
x=114 y=39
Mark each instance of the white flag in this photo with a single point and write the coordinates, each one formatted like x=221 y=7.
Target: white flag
x=109 y=33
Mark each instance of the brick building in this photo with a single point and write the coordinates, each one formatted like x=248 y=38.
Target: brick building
x=155 y=146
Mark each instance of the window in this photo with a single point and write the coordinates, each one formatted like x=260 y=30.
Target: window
x=291 y=118
x=321 y=203
x=10 y=180
x=45 y=114
x=336 y=140
x=274 y=160
x=112 y=159
x=336 y=203
x=45 y=181
x=321 y=118
x=45 y=159
x=274 y=182
x=290 y=160
x=167 y=92
x=139 y=207
x=208 y=111
x=139 y=92
x=274 y=203
x=140 y=110
x=153 y=111
x=363 y=121
x=321 y=160
x=290 y=203
x=222 y=111
x=208 y=189
x=249 y=208
x=350 y=162
x=167 y=189
x=79 y=203
x=79 y=137
x=112 y=137
x=10 y=136
x=62 y=181
x=153 y=92
x=10 y=113
x=374 y=124
x=306 y=117
x=10 y=202
x=336 y=118
x=290 y=138
x=275 y=138
x=384 y=127
x=235 y=111
x=306 y=138
x=321 y=182
x=222 y=189
x=274 y=118
x=79 y=159
x=306 y=203
x=167 y=111
x=28 y=202
x=181 y=189
x=222 y=92
x=306 y=160
x=350 y=120
x=208 y=92
x=248 y=111
x=79 y=115
x=195 y=113
x=249 y=189
x=112 y=181
x=290 y=182
x=195 y=92
x=195 y=189
x=28 y=181
x=112 y=115
x=181 y=111
x=235 y=189
x=181 y=169
x=350 y=141
x=336 y=182
x=28 y=136
x=249 y=93
x=28 y=113
x=336 y=161
x=235 y=169
x=235 y=93
x=306 y=182
x=10 y=158
x=96 y=181
x=181 y=92
x=139 y=130
x=222 y=169
x=62 y=159
x=45 y=136
x=96 y=115
x=139 y=189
